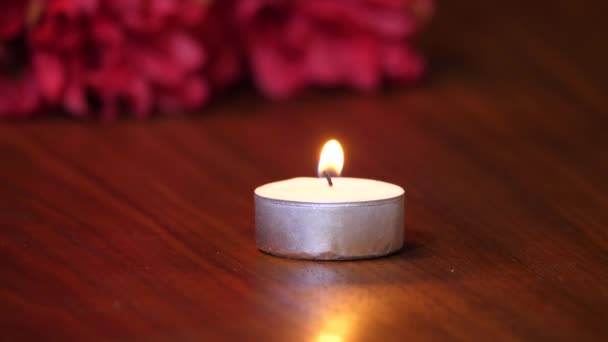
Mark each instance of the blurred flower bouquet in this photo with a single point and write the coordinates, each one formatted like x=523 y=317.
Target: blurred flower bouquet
x=105 y=57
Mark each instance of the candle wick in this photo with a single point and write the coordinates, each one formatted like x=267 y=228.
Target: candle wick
x=328 y=177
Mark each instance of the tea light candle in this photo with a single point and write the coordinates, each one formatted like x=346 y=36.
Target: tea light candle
x=329 y=218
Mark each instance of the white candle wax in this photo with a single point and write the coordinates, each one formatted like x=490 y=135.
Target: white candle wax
x=306 y=218
x=316 y=190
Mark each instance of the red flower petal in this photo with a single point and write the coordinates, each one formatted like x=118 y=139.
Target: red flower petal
x=49 y=73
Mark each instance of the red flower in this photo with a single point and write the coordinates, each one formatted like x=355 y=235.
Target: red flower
x=13 y=14
x=19 y=95
x=107 y=57
x=294 y=43
x=115 y=56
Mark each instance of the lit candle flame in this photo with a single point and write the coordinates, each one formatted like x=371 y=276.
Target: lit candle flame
x=332 y=159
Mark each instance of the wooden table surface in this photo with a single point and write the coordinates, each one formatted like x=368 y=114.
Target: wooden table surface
x=145 y=230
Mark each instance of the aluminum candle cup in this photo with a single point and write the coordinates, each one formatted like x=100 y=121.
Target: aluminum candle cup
x=304 y=218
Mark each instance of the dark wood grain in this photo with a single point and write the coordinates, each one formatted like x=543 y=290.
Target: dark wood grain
x=144 y=230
